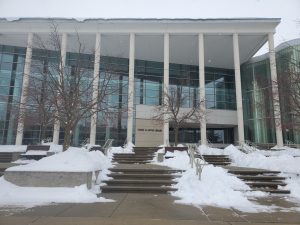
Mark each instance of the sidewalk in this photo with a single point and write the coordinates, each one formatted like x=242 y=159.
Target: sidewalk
x=146 y=209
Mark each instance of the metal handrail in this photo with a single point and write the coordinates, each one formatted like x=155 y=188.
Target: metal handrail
x=85 y=142
x=199 y=165
x=47 y=140
x=107 y=145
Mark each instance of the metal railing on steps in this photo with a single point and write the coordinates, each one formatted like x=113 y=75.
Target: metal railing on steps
x=198 y=162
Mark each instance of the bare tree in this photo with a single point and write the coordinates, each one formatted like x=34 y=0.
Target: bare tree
x=64 y=91
x=174 y=109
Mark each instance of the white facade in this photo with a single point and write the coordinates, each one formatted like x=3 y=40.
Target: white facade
x=219 y=43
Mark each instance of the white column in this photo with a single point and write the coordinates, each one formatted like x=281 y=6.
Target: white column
x=95 y=89
x=202 y=89
x=166 y=86
x=130 y=87
x=238 y=88
x=62 y=64
x=20 y=128
x=276 y=104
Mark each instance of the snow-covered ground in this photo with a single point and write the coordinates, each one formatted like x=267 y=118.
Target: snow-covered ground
x=13 y=148
x=74 y=159
x=219 y=188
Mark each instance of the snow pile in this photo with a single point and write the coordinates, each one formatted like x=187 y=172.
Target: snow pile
x=54 y=147
x=216 y=187
x=126 y=149
x=13 y=148
x=32 y=196
x=283 y=161
x=72 y=160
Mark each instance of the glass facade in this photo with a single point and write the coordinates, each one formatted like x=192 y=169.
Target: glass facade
x=219 y=84
x=259 y=122
x=12 y=61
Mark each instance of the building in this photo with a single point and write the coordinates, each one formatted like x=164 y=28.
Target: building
x=148 y=55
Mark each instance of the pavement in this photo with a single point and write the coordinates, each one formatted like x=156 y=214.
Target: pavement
x=156 y=209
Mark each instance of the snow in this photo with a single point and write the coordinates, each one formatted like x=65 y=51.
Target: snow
x=126 y=149
x=216 y=187
x=35 y=152
x=13 y=148
x=12 y=195
x=283 y=161
x=72 y=160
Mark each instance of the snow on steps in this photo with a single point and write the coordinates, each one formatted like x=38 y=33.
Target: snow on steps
x=261 y=180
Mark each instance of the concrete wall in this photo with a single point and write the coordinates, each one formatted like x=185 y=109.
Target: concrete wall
x=49 y=179
x=149 y=133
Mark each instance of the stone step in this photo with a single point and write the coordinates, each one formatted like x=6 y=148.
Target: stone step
x=130 y=189
x=273 y=184
x=260 y=178
x=215 y=156
x=152 y=176
x=217 y=160
x=139 y=182
x=252 y=172
x=135 y=158
x=149 y=171
x=219 y=163
x=272 y=191
x=130 y=155
x=131 y=162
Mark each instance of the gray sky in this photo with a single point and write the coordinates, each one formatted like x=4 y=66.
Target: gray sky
x=287 y=10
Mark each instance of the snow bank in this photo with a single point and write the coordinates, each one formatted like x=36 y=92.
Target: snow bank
x=216 y=187
x=11 y=194
x=283 y=161
x=13 y=148
x=127 y=149
x=72 y=160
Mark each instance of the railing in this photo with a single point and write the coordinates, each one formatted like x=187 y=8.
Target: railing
x=84 y=142
x=47 y=140
x=107 y=145
x=199 y=163
x=125 y=143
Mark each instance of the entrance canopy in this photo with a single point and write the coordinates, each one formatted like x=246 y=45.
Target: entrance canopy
x=149 y=41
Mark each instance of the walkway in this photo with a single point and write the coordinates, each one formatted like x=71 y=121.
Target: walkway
x=145 y=209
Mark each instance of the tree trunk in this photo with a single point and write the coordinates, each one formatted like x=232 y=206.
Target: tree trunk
x=176 y=135
x=67 y=138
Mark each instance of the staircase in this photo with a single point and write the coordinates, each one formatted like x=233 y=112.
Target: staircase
x=216 y=160
x=5 y=157
x=132 y=174
x=260 y=180
x=141 y=155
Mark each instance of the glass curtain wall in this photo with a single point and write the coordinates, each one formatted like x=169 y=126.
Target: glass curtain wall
x=12 y=61
x=288 y=64
x=257 y=103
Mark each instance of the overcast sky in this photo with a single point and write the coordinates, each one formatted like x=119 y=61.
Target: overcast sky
x=287 y=10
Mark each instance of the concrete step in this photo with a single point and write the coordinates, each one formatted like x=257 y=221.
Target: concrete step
x=215 y=156
x=252 y=172
x=135 y=154
x=216 y=159
x=149 y=176
x=131 y=161
x=148 y=171
x=272 y=191
x=272 y=184
x=130 y=189
x=219 y=163
x=133 y=158
x=139 y=182
x=260 y=178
